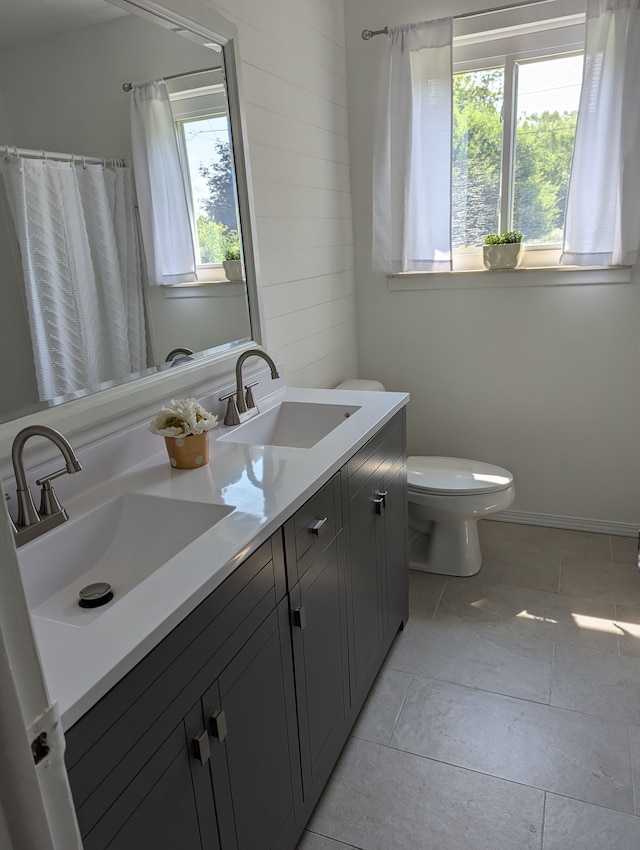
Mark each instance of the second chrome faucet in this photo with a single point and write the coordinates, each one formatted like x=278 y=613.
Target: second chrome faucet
x=241 y=403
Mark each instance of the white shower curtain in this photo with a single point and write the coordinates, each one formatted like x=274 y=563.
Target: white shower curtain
x=76 y=231
x=602 y=225
x=164 y=214
x=412 y=150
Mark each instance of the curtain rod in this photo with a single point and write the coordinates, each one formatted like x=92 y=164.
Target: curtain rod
x=76 y=158
x=129 y=86
x=367 y=34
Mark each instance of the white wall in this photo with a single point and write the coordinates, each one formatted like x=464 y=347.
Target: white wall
x=541 y=380
x=294 y=79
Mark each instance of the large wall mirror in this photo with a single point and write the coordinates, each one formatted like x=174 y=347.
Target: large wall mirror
x=61 y=91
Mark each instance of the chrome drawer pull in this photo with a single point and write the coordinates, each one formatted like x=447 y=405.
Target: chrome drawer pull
x=380 y=501
x=300 y=617
x=219 y=725
x=319 y=527
x=201 y=748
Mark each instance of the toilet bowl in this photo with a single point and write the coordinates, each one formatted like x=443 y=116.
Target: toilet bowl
x=447 y=496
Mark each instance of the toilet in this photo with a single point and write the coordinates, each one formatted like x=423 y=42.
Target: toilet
x=447 y=496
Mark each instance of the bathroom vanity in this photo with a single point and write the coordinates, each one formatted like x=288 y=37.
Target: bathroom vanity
x=208 y=705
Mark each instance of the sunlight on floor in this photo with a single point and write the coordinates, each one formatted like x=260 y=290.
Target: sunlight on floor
x=599 y=624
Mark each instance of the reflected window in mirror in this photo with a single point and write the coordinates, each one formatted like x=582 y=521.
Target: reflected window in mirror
x=200 y=109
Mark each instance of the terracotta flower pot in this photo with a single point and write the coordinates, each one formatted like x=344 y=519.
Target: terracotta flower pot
x=190 y=452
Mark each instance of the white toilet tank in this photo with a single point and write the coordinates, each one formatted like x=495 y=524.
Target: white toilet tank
x=360 y=384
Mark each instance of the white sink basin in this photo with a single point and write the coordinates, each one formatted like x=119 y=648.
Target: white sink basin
x=121 y=543
x=291 y=423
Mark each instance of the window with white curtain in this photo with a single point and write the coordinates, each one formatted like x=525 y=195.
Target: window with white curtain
x=203 y=131
x=516 y=91
x=542 y=140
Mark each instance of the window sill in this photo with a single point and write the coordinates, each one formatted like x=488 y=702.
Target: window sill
x=541 y=276
x=212 y=289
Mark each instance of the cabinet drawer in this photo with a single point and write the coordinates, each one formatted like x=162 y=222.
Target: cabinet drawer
x=121 y=732
x=308 y=533
x=373 y=459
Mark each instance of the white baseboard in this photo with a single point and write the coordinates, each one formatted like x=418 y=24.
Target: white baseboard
x=620 y=529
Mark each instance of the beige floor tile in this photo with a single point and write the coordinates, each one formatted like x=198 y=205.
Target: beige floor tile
x=425 y=590
x=634 y=740
x=548 y=748
x=548 y=616
x=479 y=655
x=383 y=799
x=628 y=625
x=380 y=713
x=606 y=581
x=625 y=550
x=519 y=566
x=596 y=683
x=559 y=541
x=313 y=841
x=570 y=824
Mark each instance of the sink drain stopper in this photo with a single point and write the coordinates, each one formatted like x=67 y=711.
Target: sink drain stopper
x=95 y=595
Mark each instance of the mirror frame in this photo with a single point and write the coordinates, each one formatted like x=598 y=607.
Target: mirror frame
x=93 y=416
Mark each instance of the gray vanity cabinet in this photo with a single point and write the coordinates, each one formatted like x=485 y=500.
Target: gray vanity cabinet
x=374 y=492
x=193 y=749
x=224 y=735
x=314 y=546
x=250 y=716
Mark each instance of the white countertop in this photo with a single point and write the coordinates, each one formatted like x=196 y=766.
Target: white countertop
x=264 y=484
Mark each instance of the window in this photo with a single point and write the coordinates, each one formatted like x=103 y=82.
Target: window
x=206 y=155
x=516 y=92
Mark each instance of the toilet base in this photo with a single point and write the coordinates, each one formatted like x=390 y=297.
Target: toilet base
x=452 y=549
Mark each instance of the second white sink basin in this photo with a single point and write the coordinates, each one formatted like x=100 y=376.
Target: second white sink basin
x=121 y=543
x=291 y=423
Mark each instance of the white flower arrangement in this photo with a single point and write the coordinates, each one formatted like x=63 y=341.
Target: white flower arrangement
x=182 y=418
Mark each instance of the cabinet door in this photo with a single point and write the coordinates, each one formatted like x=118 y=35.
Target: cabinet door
x=395 y=546
x=320 y=663
x=168 y=805
x=251 y=714
x=366 y=552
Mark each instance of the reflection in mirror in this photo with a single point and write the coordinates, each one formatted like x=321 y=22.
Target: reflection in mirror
x=64 y=94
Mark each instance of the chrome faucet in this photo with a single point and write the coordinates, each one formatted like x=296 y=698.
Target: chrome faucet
x=242 y=403
x=31 y=523
x=185 y=355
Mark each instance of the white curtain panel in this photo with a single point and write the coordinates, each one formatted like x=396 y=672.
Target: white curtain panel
x=602 y=225
x=81 y=271
x=164 y=214
x=412 y=150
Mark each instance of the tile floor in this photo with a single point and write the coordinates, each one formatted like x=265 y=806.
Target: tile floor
x=507 y=714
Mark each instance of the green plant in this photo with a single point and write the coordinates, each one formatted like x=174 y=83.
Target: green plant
x=232 y=253
x=503 y=238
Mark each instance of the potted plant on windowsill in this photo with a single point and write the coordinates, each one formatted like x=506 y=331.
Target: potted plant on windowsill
x=502 y=250
x=232 y=263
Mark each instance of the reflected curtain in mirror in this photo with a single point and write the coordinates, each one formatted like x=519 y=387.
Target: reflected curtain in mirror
x=164 y=214
x=77 y=237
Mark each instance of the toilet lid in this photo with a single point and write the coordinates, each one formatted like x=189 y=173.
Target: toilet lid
x=455 y=475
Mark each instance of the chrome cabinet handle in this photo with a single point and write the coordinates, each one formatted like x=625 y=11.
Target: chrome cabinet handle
x=300 y=617
x=319 y=526
x=380 y=501
x=219 y=725
x=201 y=748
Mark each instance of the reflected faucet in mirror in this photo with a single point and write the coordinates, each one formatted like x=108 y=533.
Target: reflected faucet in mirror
x=178 y=356
x=31 y=523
